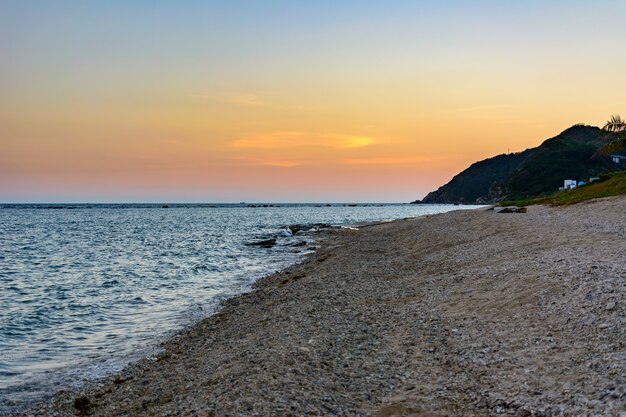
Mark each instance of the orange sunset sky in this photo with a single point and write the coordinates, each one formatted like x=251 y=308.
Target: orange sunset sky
x=290 y=101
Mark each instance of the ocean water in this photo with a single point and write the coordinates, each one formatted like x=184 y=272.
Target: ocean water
x=84 y=289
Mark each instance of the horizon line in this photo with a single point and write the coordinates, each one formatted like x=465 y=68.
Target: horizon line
x=191 y=202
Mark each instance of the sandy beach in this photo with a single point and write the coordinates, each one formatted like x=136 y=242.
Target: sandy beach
x=469 y=313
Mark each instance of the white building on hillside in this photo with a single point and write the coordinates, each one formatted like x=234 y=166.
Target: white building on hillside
x=569 y=184
x=619 y=159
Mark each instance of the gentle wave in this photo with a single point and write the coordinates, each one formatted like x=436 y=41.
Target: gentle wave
x=86 y=288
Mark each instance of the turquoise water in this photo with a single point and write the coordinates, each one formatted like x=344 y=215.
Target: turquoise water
x=86 y=289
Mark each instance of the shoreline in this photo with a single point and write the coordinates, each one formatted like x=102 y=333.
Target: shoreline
x=32 y=384
x=401 y=318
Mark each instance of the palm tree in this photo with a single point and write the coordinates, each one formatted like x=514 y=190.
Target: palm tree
x=617 y=125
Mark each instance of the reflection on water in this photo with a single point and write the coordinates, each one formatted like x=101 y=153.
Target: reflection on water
x=84 y=288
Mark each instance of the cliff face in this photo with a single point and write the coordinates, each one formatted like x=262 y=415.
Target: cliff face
x=531 y=172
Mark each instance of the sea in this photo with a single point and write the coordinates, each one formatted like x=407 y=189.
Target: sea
x=86 y=289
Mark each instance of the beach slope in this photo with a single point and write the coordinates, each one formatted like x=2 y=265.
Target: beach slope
x=464 y=313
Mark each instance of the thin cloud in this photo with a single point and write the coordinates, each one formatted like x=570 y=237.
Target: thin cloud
x=239 y=99
x=252 y=100
x=387 y=161
x=246 y=100
x=349 y=141
x=282 y=164
x=296 y=139
x=267 y=163
x=492 y=113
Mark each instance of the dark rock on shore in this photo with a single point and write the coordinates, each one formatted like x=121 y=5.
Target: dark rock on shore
x=266 y=243
x=295 y=228
x=513 y=210
x=82 y=406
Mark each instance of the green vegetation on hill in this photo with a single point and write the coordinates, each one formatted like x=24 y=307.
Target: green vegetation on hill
x=609 y=185
x=566 y=156
x=472 y=184
x=573 y=154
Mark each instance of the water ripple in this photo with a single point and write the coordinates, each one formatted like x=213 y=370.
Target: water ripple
x=83 y=291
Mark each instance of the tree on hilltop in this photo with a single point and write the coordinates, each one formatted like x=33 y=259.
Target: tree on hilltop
x=615 y=125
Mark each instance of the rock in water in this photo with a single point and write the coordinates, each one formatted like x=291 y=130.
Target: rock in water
x=295 y=228
x=267 y=243
x=285 y=232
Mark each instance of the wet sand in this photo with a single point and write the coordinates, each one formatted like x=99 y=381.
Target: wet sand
x=459 y=314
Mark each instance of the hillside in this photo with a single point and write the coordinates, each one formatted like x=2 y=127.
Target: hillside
x=532 y=172
x=609 y=185
x=481 y=181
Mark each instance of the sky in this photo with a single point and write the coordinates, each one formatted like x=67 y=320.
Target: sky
x=290 y=101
